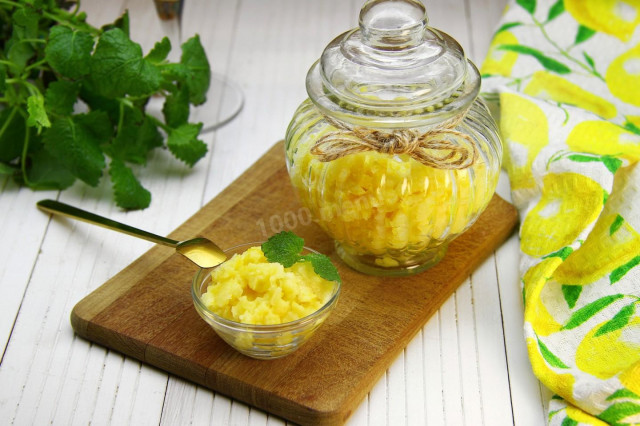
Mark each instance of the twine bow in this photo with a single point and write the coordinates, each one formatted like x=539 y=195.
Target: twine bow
x=431 y=148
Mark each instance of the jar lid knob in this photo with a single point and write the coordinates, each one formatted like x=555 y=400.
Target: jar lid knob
x=393 y=70
x=393 y=24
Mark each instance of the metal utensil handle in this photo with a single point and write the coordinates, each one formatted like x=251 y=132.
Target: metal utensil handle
x=56 y=207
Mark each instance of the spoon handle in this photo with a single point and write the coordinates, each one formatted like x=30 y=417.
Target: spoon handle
x=56 y=207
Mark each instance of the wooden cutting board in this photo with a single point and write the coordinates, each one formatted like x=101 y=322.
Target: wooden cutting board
x=146 y=310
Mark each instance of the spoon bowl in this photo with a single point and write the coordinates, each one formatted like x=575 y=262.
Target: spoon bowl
x=201 y=251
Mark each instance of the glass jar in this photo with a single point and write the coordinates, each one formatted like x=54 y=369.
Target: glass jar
x=393 y=153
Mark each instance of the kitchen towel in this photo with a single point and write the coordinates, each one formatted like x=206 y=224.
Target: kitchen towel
x=564 y=79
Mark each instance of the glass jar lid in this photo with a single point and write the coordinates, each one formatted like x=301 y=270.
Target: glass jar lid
x=393 y=71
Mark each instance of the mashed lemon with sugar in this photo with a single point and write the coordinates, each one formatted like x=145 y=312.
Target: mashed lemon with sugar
x=249 y=289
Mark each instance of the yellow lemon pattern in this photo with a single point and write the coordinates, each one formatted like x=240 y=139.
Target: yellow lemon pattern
x=569 y=203
x=611 y=244
x=583 y=418
x=567 y=76
x=606 y=355
x=546 y=85
x=623 y=76
x=590 y=136
x=525 y=124
x=500 y=62
x=536 y=312
x=616 y=17
x=630 y=378
x=561 y=383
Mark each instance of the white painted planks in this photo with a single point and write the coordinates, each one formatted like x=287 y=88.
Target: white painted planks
x=468 y=365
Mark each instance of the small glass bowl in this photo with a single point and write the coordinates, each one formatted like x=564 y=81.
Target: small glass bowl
x=256 y=340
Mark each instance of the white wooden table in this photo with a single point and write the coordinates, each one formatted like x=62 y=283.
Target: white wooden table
x=467 y=366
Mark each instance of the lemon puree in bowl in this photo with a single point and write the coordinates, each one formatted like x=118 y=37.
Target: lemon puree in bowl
x=249 y=289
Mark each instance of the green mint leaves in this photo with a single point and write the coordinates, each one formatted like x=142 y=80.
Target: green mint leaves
x=118 y=67
x=323 y=266
x=286 y=248
x=283 y=248
x=73 y=100
x=69 y=52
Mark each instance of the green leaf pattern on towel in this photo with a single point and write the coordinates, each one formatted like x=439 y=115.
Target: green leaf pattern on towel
x=565 y=76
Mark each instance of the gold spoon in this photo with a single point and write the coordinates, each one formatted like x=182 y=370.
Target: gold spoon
x=200 y=251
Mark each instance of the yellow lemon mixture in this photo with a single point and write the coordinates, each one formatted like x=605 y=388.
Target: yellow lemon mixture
x=390 y=206
x=249 y=289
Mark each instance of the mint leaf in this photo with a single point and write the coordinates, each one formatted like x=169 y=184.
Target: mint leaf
x=160 y=51
x=121 y=23
x=61 y=96
x=176 y=107
x=97 y=124
x=25 y=23
x=177 y=72
x=323 y=267
x=69 y=51
x=195 y=59
x=37 y=114
x=73 y=142
x=97 y=102
x=19 y=53
x=6 y=169
x=148 y=134
x=128 y=192
x=283 y=248
x=12 y=133
x=3 y=78
x=135 y=139
x=46 y=172
x=183 y=142
x=118 y=68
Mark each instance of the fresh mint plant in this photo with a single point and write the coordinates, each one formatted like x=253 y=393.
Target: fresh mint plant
x=52 y=61
x=286 y=248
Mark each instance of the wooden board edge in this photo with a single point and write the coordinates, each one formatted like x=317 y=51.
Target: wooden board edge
x=269 y=163
x=98 y=300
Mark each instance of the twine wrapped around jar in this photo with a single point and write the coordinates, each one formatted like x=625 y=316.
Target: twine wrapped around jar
x=430 y=148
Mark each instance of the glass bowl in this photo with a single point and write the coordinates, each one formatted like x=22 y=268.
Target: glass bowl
x=257 y=340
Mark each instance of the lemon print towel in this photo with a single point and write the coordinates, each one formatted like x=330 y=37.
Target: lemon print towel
x=564 y=76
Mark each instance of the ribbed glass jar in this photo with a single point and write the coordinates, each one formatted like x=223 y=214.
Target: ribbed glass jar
x=390 y=213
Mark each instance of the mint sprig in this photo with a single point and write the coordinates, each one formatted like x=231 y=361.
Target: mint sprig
x=73 y=100
x=286 y=248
